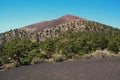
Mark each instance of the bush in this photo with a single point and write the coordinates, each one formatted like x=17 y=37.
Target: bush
x=1 y=63
x=36 y=60
x=3 y=60
x=43 y=56
x=113 y=46
x=26 y=61
x=58 y=57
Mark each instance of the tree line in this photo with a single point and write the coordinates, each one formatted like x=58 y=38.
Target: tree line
x=25 y=52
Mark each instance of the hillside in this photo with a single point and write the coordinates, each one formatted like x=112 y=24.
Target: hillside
x=68 y=37
x=35 y=28
x=54 y=28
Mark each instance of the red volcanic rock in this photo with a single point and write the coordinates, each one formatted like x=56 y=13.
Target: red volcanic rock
x=69 y=18
x=48 y=24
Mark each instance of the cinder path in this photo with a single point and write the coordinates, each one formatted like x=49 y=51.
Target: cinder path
x=92 y=69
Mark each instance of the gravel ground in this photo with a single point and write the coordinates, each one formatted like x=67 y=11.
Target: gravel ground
x=91 y=69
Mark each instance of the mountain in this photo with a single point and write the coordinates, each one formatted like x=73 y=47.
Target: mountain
x=68 y=37
x=53 y=29
x=35 y=28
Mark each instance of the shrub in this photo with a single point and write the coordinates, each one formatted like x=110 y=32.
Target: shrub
x=36 y=60
x=58 y=57
x=3 y=60
x=26 y=61
x=113 y=46
x=44 y=56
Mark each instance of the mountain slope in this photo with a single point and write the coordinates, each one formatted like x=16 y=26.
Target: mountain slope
x=68 y=37
x=55 y=28
x=35 y=28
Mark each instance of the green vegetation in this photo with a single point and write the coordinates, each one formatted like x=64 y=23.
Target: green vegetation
x=68 y=44
x=25 y=52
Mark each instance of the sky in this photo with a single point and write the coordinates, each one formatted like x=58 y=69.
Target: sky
x=19 y=13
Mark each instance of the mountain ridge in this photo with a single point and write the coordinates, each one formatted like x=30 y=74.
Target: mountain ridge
x=52 y=23
x=54 y=29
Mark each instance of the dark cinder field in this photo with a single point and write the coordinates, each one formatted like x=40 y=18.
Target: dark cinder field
x=91 y=69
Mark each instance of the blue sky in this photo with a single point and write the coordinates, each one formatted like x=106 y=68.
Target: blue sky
x=19 y=13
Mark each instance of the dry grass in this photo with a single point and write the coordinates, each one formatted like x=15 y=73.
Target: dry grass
x=9 y=66
x=100 y=54
x=58 y=57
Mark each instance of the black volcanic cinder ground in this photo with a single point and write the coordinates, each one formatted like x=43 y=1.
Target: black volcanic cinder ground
x=93 y=69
